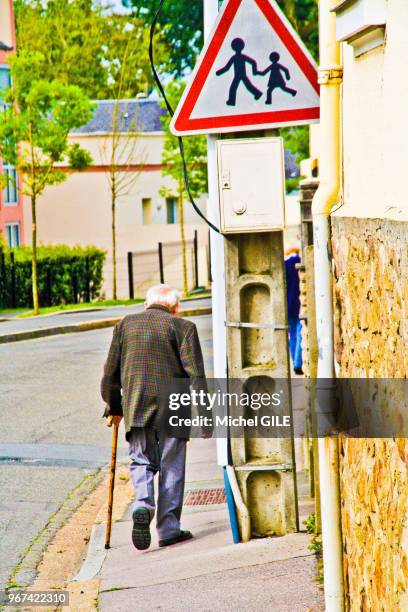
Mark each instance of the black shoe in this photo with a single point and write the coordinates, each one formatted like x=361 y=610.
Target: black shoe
x=141 y=529
x=298 y=371
x=181 y=537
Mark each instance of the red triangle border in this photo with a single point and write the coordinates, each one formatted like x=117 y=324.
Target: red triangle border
x=184 y=123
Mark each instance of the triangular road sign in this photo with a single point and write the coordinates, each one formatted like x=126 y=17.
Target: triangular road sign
x=254 y=72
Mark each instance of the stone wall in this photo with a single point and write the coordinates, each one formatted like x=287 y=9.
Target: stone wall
x=371 y=337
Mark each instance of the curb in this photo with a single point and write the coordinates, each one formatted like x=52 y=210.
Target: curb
x=32 y=334
x=75 y=531
x=24 y=573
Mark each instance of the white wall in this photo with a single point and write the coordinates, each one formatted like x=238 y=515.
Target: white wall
x=375 y=126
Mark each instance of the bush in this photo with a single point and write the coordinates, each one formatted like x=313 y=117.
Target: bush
x=66 y=275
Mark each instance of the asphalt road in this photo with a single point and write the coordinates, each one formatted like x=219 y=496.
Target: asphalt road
x=66 y=317
x=51 y=431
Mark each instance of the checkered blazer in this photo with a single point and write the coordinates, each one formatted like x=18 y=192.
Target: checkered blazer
x=147 y=349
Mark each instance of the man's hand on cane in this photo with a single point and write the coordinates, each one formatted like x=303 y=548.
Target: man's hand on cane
x=113 y=420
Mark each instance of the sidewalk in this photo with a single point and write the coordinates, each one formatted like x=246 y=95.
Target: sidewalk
x=63 y=322
x=208 y=573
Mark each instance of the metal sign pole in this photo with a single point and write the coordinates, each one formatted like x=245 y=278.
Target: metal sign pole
x=217 y=251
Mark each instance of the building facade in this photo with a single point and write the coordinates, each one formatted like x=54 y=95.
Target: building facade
x=369 y=237
x=370 y=233
x=79 y=210
x=11 y=204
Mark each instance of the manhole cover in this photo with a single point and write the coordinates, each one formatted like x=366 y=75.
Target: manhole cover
x=205 y=497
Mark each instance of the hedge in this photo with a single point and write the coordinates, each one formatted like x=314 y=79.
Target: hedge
x=66 y=275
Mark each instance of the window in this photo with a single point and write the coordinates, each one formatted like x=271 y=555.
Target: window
x=13 y=234
x=10 y=192
x=147 y=210
x=172 y=212
x=5 y=80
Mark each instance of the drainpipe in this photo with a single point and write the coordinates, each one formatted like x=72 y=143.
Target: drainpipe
x=327 y=195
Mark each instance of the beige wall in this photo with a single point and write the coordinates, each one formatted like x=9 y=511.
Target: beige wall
x=375 y=127
x=369 y=243
x=6 y=24
x=79 y=211
x=148 y=147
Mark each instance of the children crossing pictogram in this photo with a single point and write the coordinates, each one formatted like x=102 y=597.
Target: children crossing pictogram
x=241 y=80
x=239 y=62
x=276 y=80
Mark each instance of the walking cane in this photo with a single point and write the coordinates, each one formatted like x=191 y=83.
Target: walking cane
x=111 y=483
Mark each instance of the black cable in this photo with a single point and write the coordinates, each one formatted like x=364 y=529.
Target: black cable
x=171 y=113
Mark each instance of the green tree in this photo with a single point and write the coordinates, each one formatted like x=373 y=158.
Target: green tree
x=296 y=139
x=182 y=25
x=83 y=44
x=120 y=151
x=34 y=128
x=195 y=149
x=303 y=15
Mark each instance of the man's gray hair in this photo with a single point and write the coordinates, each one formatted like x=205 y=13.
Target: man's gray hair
x=162 y=294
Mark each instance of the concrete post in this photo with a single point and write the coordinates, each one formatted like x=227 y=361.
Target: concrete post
x=256 y=293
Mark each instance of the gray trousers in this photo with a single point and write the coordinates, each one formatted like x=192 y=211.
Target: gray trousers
x=150 y=452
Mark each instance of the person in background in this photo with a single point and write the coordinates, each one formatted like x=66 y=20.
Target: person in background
x=292 y=258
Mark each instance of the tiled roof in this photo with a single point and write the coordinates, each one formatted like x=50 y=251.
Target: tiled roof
x=146 y=112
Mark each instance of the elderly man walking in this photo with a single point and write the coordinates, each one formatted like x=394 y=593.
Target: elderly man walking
x=148 y=349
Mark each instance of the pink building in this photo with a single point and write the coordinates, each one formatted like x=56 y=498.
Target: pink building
x=11 y=203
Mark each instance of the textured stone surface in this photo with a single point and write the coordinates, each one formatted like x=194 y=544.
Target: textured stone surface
x=371 y=299
x=371 y=294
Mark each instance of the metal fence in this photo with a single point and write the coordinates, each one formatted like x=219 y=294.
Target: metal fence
x=164 y=264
